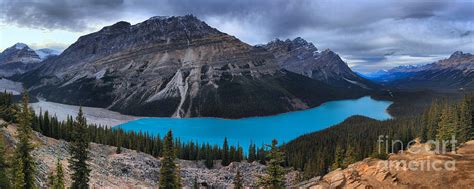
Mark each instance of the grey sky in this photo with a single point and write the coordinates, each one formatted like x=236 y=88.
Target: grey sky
x=368 y=34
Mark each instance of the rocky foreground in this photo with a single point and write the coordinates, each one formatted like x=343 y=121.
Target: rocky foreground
x=132 y=169
x=405 y=170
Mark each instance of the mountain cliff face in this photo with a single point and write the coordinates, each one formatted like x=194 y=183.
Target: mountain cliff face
x=302 y=57
x=174 y=66
x=453 y=73
x=18 y=58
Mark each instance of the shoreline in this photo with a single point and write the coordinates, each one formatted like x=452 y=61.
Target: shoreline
x=109 y=118
x=98 y=116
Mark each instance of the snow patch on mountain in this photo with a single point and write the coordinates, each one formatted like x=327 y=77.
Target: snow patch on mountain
x=20 y=46
x=100 y=74
x=45 y=53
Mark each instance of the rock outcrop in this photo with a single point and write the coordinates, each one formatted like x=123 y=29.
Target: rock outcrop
x=410 y=169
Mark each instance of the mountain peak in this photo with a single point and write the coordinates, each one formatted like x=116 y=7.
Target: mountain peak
x=186 y=20
x=20 y=46
x=289 y=44
x=19 y=53
x=161 y=18
x=117 y=26
x=303 y=43
x=459 y=54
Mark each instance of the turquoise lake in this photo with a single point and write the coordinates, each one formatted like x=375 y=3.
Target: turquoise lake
x=261 y=130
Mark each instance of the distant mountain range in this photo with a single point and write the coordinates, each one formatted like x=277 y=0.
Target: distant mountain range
x=20 y=58
x=181 y=67
x=451 y=74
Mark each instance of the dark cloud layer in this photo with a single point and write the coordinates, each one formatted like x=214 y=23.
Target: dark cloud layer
x=359 y=30
x=57 y=14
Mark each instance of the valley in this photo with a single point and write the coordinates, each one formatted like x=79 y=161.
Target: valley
x=177 y=102
x=261 y=130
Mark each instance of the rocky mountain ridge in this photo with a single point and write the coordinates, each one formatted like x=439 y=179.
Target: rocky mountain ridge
x=453 y=73
x=19 y=52
x=174 y=66
x=20 y=58
x=302 y=57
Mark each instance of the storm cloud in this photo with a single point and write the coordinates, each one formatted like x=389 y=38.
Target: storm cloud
x=364 y=32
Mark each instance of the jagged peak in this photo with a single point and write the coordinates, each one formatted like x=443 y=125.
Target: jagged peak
x=186 y=19
x=296 y=42
x=300 y=40
x=18 y=46
x=161 y=18
x=459 y=54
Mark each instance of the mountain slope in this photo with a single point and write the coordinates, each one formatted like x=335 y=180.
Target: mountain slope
x=174 y=66
x=453 y=73
x=302 y=57
x=18 y=58
x=129 y=169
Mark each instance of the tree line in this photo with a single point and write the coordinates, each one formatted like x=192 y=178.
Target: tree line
x=357 y=137
x=22 y=169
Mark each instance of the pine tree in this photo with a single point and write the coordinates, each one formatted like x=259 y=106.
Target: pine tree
x=447 y=125
x=238 y=180
x=225 y=153
x=178 y=176
x=240 y=154
x=338 y=158
x=471 y=107
x=349 y=157
x=465 y=120
x=261 y=155
x=209 y=157
x=79 y=150
x=232 y=154
x=431 y=120
x=59 y=184
x=19 y=176
x=252 y=153
x=24 y=162
x=275 y=174
x=4 y=180
x=169 y=174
